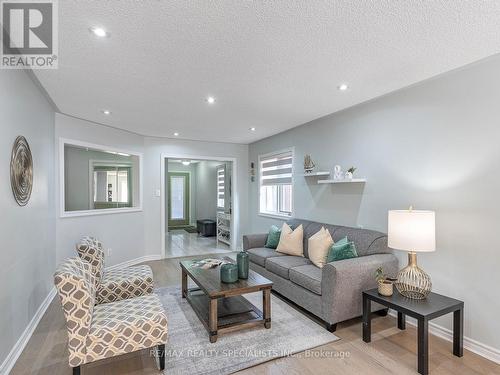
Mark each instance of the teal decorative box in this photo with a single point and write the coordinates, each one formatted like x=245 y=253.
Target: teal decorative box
x=229 y=273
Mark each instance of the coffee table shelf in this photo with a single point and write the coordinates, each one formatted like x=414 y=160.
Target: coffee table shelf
x=221 y=307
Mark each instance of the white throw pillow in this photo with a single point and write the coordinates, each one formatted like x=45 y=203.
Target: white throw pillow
x=291 y=241
x=318 y=246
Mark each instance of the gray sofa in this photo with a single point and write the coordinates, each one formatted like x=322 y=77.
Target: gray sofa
x=332 y=293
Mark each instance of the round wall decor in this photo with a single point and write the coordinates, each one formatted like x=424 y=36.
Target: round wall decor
x=21 y=171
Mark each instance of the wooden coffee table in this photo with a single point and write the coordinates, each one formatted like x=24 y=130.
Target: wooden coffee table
x=221 y=307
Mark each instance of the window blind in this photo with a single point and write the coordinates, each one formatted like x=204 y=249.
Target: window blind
x=276 y=169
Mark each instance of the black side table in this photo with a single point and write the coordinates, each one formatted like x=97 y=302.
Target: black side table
x=424 y=310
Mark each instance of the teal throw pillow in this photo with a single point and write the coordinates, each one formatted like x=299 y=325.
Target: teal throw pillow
x=343 y=249
x=273 y=238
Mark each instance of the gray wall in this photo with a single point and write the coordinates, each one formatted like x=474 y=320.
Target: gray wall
x=206 y=189
x=434 y=145
x=27 y=233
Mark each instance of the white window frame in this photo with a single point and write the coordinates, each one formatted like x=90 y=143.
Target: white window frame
x=277 y=214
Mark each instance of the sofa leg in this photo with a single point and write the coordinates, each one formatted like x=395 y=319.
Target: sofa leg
x=331 y=327
x=383 y=312
x=76 y=370
x=161 y=356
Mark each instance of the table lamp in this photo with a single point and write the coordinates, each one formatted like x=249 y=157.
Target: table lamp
x=413 y=231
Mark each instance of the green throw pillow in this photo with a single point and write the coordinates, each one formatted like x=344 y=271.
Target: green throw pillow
x=340 y=250
x=273 y=238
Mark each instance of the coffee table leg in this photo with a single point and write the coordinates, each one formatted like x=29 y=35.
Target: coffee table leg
x=458 y=333
x=423 y=346
x=184 y=283
x=212 y=320
x=367 y=324
x=266 y=303
x=401 y=320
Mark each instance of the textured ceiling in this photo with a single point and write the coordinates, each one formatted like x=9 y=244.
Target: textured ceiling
x=271 y=65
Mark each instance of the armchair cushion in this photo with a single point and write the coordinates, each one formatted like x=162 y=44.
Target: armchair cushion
x=126 y=326
x=90 y=250
x=123 y=283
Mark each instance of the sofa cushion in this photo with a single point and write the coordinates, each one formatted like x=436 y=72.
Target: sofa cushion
x=308 y=276
x=281 y=265
x=318 y=246
x=260 y=254
x=291 y=241
x=364 y=240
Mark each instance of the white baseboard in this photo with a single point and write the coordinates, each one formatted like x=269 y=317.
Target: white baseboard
x=474 y=346
x=135 y=261
x=18 y=348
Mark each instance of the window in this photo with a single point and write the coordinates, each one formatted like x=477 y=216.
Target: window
x=221 y=175
x=275 y=182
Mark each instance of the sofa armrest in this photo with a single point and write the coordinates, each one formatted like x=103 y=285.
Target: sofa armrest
x=344 y=281
x=251 y=241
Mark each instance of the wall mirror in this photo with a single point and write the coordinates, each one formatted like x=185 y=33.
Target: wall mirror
x=99 y=179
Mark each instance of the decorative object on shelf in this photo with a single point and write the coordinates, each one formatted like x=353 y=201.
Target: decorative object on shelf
x=413 y=231
x=350 y=173
x=243 y=264
x=21 y=171
x=385 y=284
x=337 y=173
x=229 y=273
x=308 y=164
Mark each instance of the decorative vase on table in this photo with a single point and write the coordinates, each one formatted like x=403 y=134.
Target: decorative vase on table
x=243 y=264
x=229 y=273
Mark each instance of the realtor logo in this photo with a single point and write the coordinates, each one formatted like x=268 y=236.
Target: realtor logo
x=29 y=34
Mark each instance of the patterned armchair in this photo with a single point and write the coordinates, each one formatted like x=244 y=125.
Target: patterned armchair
x=118 y=284
x=101 y=331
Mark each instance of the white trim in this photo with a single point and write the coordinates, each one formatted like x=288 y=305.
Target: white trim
x=134 y=261
x=73 y=142
x=19 y=346
x=472 y=345
x=235 y=214
x=262 y=156
x=276 y=216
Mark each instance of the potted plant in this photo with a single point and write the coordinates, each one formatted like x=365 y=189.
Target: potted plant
x=385 y=284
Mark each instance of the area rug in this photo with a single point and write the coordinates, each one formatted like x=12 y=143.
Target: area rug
x=189 y=351
x=191 y=229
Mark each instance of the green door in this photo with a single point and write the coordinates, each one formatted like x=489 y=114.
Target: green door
x=178 y=199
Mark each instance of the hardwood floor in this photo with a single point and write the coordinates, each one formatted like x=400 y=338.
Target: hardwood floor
x=391 y=351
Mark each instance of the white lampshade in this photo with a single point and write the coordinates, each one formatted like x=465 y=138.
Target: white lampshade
x=412 y=230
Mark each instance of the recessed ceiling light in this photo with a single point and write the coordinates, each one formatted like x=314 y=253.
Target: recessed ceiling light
x=186 y=162
x=107 y=112
x=176 y=134
x=252 y=129
x=343 y=87
x=210 y=100
x=99 y=31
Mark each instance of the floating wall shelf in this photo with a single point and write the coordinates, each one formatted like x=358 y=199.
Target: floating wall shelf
x=354 y=180
x=315 y=174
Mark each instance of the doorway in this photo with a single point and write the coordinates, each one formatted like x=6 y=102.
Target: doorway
x=198 y=194
x=178 y=199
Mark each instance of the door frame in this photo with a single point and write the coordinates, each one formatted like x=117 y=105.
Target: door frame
x=235 y=215
x=187 y=202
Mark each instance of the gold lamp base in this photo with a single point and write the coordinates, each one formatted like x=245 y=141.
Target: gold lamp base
x=412 y=281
